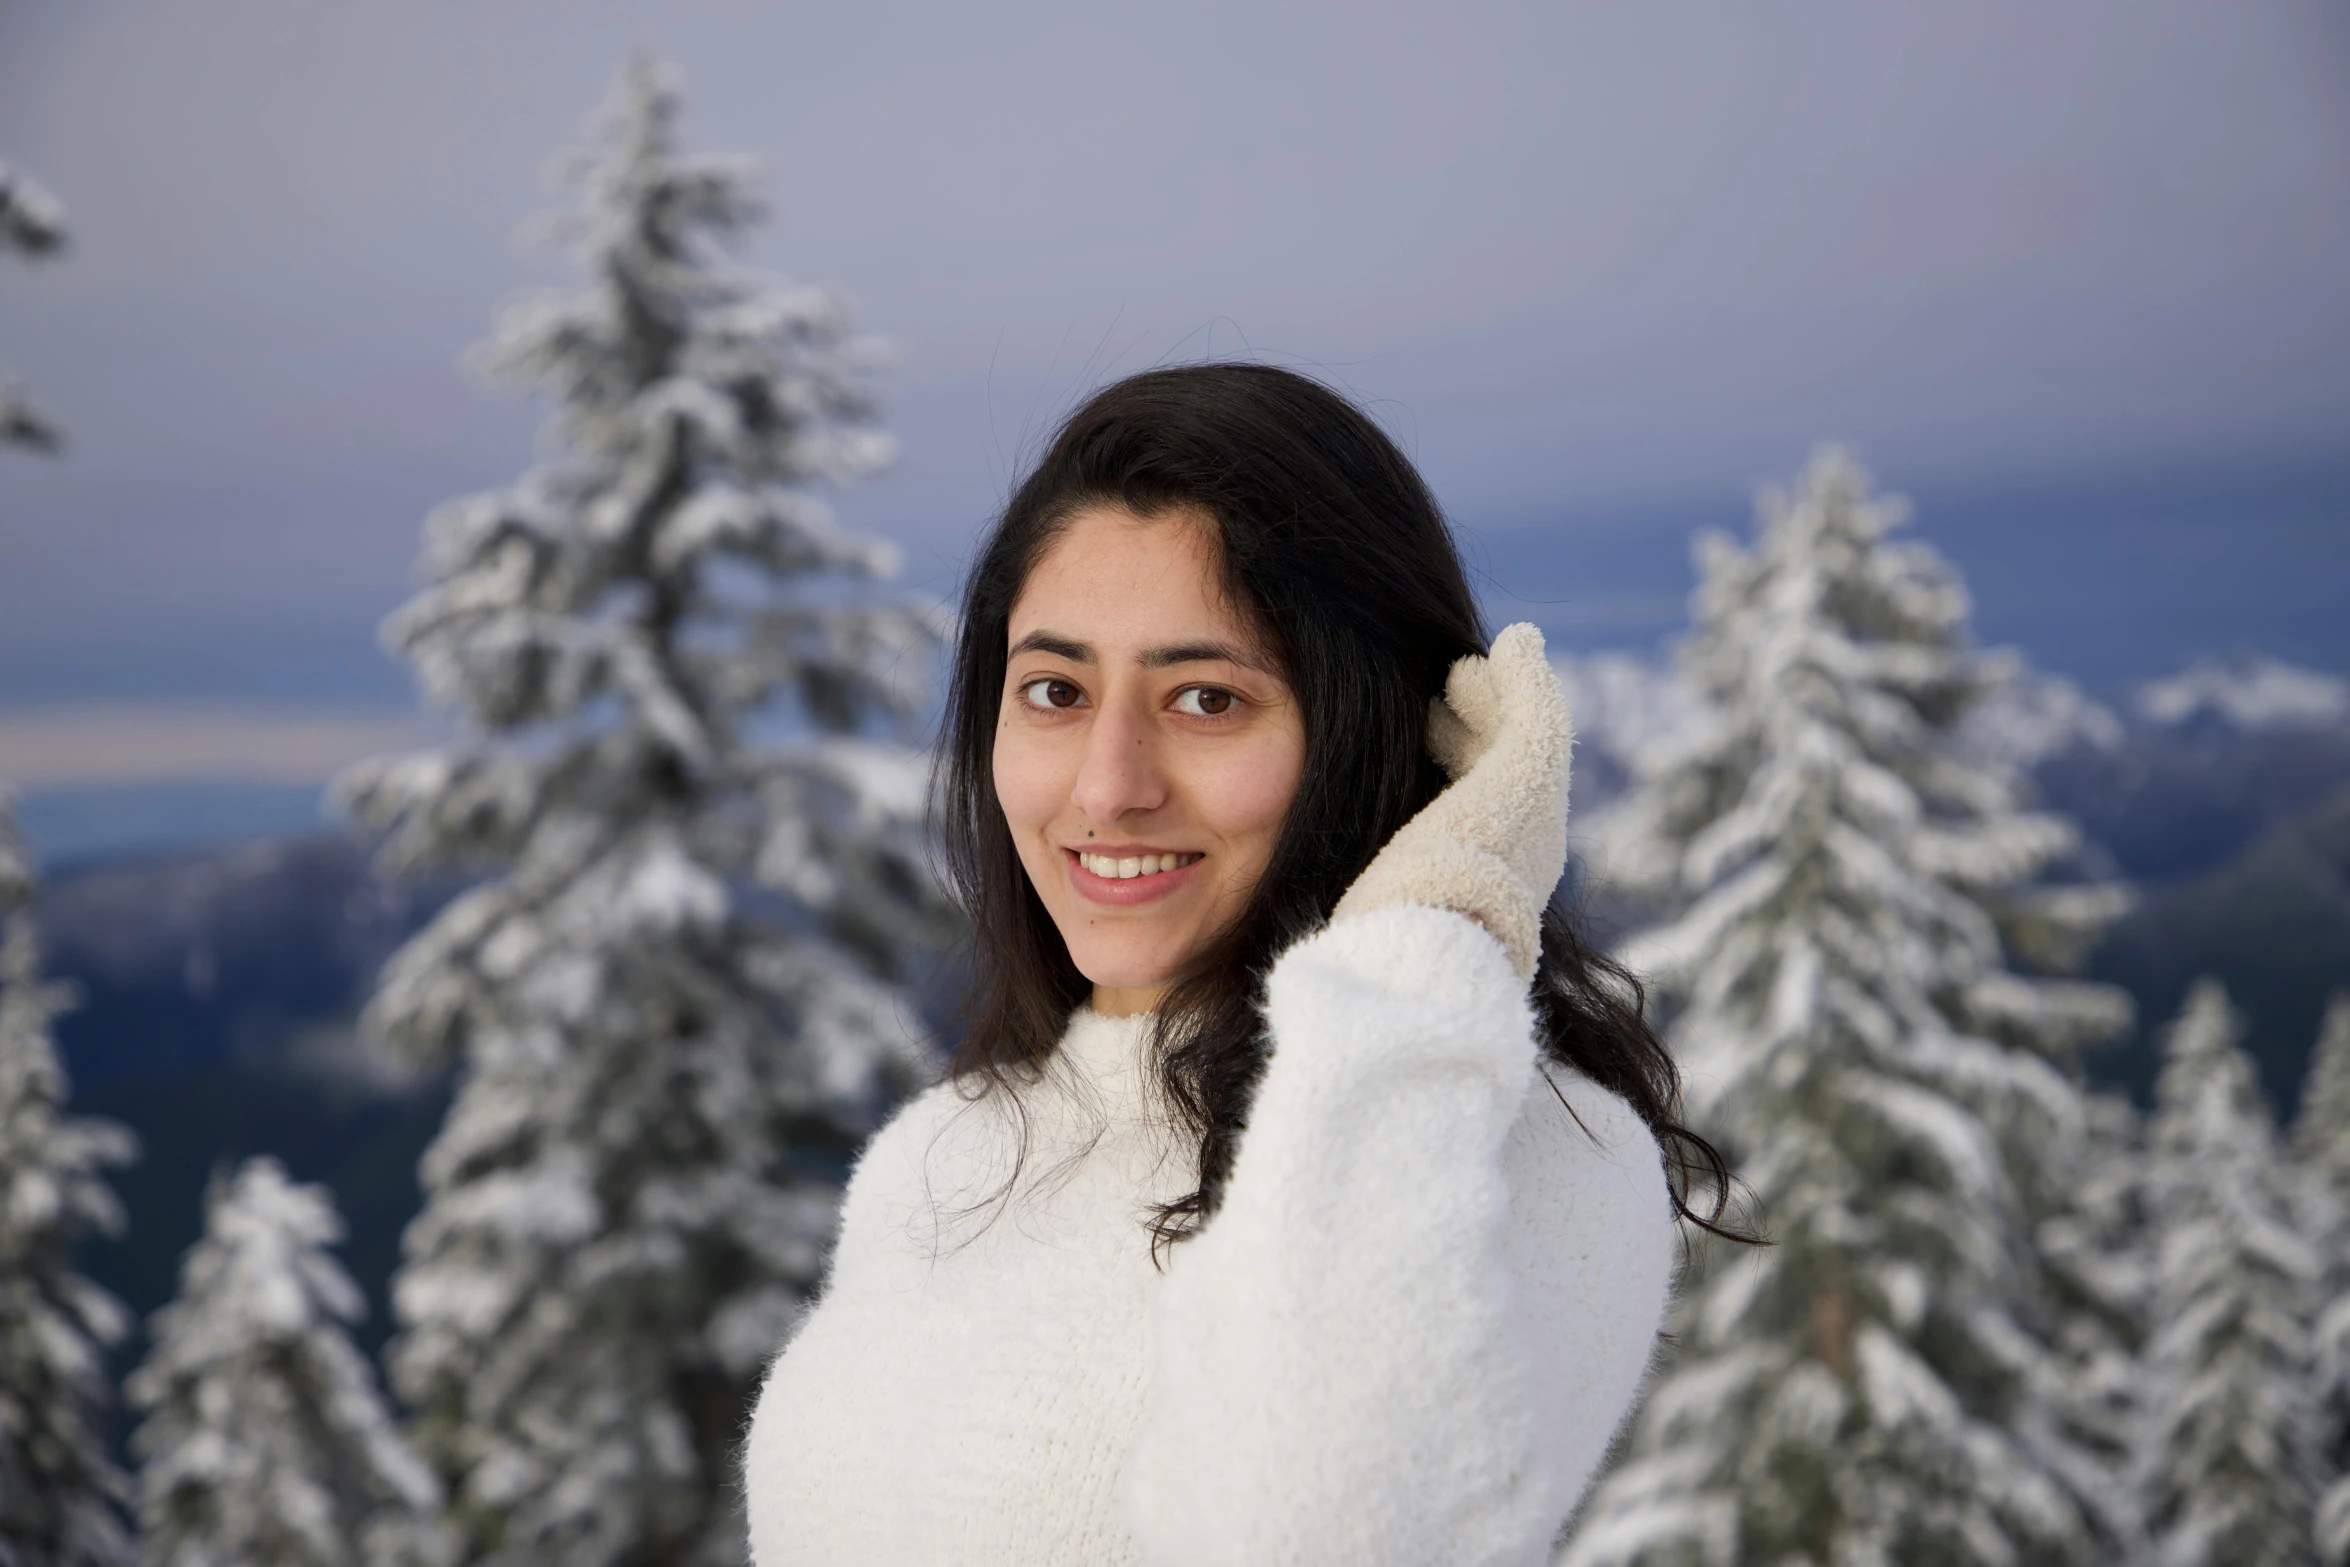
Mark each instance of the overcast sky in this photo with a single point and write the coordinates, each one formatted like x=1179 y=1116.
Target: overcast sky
x=1601 y=267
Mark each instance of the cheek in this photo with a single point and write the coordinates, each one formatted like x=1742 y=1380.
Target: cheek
x=1031 y=782
x=1245 y=797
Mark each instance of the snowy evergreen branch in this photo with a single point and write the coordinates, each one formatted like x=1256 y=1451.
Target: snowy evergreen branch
x=2228 y=1470
x=683 y=686
x=32 y=225
x=61 y=1494
x=264 y=1438
x=2096 y=1267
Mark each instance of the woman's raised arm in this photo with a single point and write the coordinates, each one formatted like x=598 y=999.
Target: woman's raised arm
x=1425 y=1303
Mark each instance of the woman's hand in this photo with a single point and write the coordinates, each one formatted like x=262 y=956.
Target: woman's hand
x=1493 y=845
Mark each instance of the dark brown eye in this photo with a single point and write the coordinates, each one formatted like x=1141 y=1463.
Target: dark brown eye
x=1051 y=693
x=1204 y=701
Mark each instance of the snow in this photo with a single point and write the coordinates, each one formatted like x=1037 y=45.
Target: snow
x=2031 y=716
x=1625 y=704
x=2254 y=692
x=2228 y=1452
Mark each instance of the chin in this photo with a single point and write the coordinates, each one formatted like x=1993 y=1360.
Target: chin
x=1126 y=970
x=1127 y=979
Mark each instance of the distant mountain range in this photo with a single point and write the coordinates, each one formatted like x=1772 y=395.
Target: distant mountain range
x=219 y=988
x=2224 y=792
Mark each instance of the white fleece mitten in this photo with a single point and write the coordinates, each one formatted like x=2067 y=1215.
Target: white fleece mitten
x=1494 y=844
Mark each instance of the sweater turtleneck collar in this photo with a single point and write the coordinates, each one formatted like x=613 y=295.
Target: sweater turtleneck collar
x=1108 y=1055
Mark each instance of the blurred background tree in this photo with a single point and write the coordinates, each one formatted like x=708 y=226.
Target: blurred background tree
x=263 y=1437
x=1854 y=986
x=2230 y=1464
x=678 y=691
x=60 y=1489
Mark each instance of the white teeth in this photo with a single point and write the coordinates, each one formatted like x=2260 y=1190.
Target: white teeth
x=1130 y=867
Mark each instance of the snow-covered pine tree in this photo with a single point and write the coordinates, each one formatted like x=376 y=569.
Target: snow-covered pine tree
x=31 y=224
x=2321 y=1143
x=1873 y=1386
x=61 y=1494
x=661 y=1085
x=2097 y=1271
x=263 y=1437
x=2228 y=1457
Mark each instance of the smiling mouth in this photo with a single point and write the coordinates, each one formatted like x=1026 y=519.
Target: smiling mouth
x=1128 y=867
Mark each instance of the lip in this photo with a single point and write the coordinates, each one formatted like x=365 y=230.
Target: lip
x=1126 y=892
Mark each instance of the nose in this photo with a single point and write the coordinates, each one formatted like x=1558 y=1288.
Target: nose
x=1121 y=772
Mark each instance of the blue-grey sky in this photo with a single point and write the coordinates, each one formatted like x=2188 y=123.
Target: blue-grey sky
x=2076 y=277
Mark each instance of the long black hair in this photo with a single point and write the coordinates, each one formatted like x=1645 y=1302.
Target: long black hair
x=1330 y=541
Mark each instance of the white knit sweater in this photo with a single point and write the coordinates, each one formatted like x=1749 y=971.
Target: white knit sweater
x=1405 y=1338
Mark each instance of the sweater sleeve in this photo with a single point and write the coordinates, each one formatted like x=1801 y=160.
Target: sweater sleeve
x=1365 y=1358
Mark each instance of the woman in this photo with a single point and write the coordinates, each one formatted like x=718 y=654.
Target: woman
x=1297 y=1193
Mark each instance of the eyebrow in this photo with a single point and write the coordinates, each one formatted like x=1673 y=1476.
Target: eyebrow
x=1208 y=651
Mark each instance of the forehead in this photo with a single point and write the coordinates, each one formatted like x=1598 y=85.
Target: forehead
x=1122 y=582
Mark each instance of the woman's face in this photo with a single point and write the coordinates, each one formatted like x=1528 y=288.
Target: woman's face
x=1146 y=749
